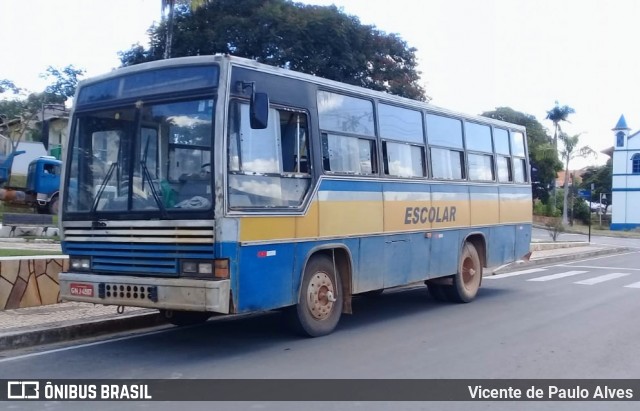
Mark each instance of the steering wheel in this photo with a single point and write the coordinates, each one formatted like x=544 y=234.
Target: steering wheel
x=206 y=165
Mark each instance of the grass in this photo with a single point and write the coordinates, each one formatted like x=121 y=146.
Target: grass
x=603 y=231
x=20 y=253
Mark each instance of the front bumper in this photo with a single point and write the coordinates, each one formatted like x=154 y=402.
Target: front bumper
x=161 y=293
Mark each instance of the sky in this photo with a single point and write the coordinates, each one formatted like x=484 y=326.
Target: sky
x=474 y=55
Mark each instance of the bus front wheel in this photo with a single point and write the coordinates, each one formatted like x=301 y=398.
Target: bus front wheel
x=320 y=305
x=466 y=282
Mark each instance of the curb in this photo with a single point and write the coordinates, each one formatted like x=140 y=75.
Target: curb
x=558 y=258
x=65 y=332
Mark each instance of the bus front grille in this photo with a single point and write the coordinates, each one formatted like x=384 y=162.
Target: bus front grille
x=148 y=251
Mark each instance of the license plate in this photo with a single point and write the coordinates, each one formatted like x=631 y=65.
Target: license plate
x=83 y=290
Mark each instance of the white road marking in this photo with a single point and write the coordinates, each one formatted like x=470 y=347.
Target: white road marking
x=598 y=267
x=602 y=278
x=634 y=285
x=514 y=273
x=556 y=276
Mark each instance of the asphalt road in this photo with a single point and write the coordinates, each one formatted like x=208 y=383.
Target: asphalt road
x=577 y=320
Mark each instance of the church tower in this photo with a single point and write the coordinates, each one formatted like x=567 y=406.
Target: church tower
x=625 y=183
x=621 y=133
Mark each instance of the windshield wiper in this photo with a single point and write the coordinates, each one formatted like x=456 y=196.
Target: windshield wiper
x=103 y=185
x=147 y=175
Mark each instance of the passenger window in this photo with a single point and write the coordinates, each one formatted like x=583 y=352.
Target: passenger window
x=517 y=143
x=401 y=124
x=478 y=137
x=345 y=114
x=447 y=164
x=504 y=169
x=403 y=160
x=520 y=170
x=501 y=141
x=444 y=131
x=480 y=167
x=351 y=155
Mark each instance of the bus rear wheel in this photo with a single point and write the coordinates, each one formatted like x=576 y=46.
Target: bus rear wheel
x=183 y=318
x=466 y=282
x=320 y=304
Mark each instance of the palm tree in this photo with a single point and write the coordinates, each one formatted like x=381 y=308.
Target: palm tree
x=558 y=114
x=568 y=153
x=171 y=5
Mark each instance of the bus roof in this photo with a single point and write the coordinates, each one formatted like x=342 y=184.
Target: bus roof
x=278 y=71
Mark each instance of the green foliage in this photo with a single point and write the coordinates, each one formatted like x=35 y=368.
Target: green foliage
x=65 y=81
x=542 y=156
x=26 y=107
x=570 y=151
x=8 y=86
x=601 y=178
x=318 y=40
x=557 y=115
x=581 y=211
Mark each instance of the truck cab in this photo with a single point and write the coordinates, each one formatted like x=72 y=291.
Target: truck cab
x=43 y=181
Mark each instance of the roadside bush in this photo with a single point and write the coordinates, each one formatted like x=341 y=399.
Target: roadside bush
x=581 y=211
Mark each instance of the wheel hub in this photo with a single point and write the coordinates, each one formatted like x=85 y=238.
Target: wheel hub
x=321 y=296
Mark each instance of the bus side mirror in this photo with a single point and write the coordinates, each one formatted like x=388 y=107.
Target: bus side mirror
x=259 y=110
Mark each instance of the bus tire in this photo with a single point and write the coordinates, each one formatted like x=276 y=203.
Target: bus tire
x=320 y=305
x=183 y=318
x=466 y=282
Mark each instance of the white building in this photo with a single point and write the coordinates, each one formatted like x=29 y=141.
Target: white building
x=625 y=186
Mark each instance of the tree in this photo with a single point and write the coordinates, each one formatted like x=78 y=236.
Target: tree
x=557 y=115
x=26 y=106
x=542 y=156
x=319 y=40
x=170 y=5
x=569 y=152
x=600 y=177
x=65 y=81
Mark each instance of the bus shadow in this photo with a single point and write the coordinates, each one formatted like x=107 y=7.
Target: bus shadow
x=226 y=337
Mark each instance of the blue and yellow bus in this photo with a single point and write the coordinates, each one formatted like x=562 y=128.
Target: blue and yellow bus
x=217 y=185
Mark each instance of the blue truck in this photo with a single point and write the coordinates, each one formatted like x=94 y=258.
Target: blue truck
x=42 y=187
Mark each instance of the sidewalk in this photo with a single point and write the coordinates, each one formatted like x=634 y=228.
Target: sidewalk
x=27 y=327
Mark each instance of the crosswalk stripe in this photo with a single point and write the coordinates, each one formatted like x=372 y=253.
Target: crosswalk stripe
x=556 y=276
x=634 y=285
x=602 y=278
x=514 y=273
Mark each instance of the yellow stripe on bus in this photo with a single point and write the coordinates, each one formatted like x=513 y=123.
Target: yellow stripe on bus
x=349 y=218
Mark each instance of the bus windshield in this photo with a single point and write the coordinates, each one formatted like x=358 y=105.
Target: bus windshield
x=143 y=158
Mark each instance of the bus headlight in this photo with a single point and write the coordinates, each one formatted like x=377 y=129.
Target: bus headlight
x=80 y=263
x=196 y=269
